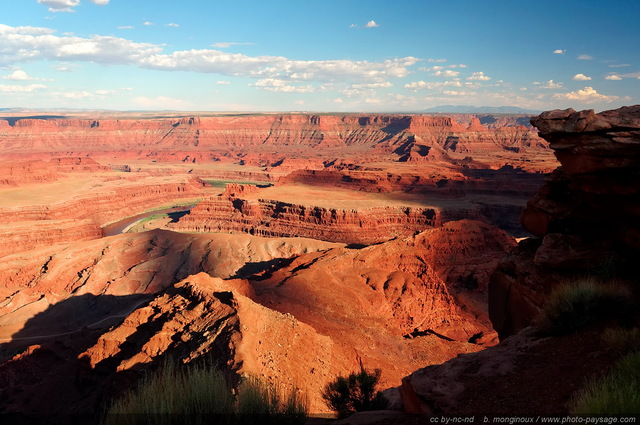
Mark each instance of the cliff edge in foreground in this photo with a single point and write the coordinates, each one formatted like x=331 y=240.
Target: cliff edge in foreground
x=586 y=216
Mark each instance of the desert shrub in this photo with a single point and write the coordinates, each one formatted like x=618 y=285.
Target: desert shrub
x=354 y=393
x=573 y=306
x=617 y=393
x=622 y=339
x=198 y=395
x=259 y=402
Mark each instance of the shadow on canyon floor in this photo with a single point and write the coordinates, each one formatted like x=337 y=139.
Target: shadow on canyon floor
x=41 y=374
x=46 y=379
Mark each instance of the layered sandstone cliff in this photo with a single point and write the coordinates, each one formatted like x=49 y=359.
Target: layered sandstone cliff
x=193 y=139
x=36 y=171
x=231 y=213
x=81 y=217
x=585 y=216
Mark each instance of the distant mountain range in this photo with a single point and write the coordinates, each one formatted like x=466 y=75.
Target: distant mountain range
x=466 y=109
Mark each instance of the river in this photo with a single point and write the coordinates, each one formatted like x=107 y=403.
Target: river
x=119 y=226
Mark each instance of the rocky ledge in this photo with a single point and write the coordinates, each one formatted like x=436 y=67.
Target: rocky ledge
x=586 y=216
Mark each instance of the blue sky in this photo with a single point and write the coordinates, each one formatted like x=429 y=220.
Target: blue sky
x=330 y=55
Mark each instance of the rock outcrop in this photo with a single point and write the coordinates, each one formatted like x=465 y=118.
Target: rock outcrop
x=25 y=172
x=81 y=217
x=230 y=213
x=298 y=320
x=585 y=222
x=523 y=376
x=141 y=263
x=586 y=215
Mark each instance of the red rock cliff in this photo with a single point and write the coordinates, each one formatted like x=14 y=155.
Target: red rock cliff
x=586 y=214
x=230 y=213
x=212 y=138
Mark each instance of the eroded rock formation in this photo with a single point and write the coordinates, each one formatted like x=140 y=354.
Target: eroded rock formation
x=36 y=171
x=299 y=321
x=248 y=138
x=230 y=213
x=81 y=217
x=585 y=219
x=586 y=215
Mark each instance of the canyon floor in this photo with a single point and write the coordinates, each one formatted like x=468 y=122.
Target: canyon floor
x=300 y=246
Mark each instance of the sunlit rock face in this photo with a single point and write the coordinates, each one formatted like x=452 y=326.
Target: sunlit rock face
x=287 y=142
x=258 y=306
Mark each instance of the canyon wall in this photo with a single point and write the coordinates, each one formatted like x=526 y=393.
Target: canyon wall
x=81 y=217
x=230 y=213
x=37 y=171
x=585 y=216
x=194 y=139
x=442 y=183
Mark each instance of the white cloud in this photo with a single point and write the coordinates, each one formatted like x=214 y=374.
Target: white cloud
x=613 y=78
x=585 y=57
x=60 y=5
x=447 y=73
x=337 y=100
x=419 y=85
x=31 y=31
x=236 y=64
x=74 y=94
x=18 y=75
x=587 y=95
x=478 y=76
x=27 y=43
x=10 y=88
x=21 y=44
x=559 y=52
x=171 y=24
x=581 y=77
x=125 y=27
x=371 y=24
x=456 y=93
x=436 y=60
x=68 y=5
x=373 y=101
x=64 y=68
x=549 y=85
x=223 y=83
x=275 y=85
x=299 y=102
x=353 y=26
x=84 y=94
x=440 y=67
x=385 y=84
x=225 y=45
x=147 y=23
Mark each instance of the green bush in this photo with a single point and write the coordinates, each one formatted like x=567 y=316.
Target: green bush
x=571 y=307
x=617 y=393
x=354 y=393
x=198 y=395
